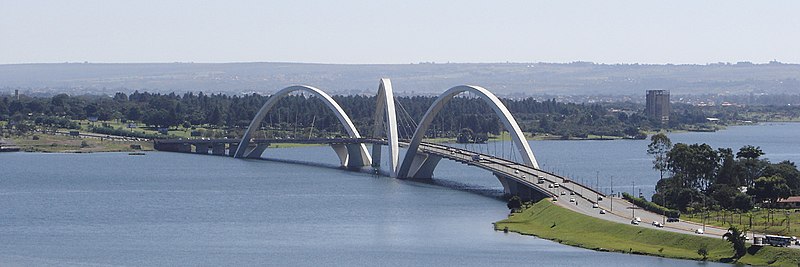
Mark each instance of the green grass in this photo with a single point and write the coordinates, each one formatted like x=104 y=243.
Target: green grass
x=778 y=225
x=60 y=143
x=546 y=220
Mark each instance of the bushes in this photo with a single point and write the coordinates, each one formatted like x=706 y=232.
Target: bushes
x=650 y=206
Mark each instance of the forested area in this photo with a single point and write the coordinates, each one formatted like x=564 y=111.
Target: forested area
x=700 y=177
x=219 y=111
x=231 y=112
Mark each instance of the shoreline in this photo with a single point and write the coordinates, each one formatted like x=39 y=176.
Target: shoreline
x=548 y=221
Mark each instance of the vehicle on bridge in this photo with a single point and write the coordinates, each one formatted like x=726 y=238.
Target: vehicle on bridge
x=476 y=157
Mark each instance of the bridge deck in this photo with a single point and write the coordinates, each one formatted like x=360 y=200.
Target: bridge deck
x=274 y=141
x=523 y=174
x=526 y=175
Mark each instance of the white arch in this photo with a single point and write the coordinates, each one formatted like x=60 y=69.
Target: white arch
x=340 y=114
x=385 y=107
x=508 y=121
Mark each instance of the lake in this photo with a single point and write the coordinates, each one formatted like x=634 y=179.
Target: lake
x=184 y=209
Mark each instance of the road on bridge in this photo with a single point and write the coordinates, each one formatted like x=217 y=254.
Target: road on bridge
x=621 y=211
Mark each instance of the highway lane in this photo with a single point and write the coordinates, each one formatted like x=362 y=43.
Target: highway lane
x=621 y=211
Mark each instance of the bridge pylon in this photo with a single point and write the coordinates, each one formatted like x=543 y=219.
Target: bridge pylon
x=385 y=112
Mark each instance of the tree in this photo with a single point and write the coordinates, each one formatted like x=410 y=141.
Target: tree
x=770 y=188
x=737 y=239
x=514 y=203
x=658 y=148
x=724 y=194
x=466 y=135
x=749 y=152
x=787 y=170
x=694 y=165
x=742 y=202
x=703 y=251
x=727 y=170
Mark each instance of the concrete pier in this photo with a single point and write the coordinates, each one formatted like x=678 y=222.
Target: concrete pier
x=218 y=149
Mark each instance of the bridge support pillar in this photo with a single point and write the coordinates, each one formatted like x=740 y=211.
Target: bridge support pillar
x=232 y=149
x=170 y=147
x=513 y=188
x=423 y=165
x=256 y=151
x=376 y=156
x=350 y=155
x=218 y=149
x=201 y=148
x=185 y=148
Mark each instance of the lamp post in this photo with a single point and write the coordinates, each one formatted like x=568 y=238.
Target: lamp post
x=597 y=180
x=612 y=193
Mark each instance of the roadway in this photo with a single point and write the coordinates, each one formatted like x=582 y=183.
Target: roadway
x=621 y=211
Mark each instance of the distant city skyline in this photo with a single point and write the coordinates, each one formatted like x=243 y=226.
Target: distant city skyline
x=399 y=32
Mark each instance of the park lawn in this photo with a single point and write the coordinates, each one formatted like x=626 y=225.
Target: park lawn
x=778 y=226
x=546 y=220
x=178 y=131
x=61 y=143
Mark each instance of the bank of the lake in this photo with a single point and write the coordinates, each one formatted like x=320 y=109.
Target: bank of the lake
x=549 y=221
x=49 y=143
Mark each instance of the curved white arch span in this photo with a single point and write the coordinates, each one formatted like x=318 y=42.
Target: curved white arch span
x=385 y=107
x=508 y=121
x=340 y=114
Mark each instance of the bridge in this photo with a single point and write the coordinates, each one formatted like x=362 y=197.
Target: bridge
x=517 y=179
x=524 y=179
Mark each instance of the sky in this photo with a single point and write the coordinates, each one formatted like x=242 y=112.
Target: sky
x=407 y=31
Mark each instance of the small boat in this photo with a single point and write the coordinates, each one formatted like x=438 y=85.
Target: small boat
x=136 y=154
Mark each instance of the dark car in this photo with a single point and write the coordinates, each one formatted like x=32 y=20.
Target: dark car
x=673 y=219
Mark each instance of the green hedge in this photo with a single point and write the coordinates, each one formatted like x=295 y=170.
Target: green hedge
x=650 y=206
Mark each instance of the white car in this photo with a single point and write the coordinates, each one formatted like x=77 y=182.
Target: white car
x=699 y=231
x=657 y=224
x=602 y=211
x=572 y=199
x=595 y=206
x=638 y=219
x=563 y=193
x=556 y=185
x=634 y=222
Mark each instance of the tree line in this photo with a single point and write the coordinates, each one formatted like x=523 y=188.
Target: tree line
x=701 y=177
x=298 y=111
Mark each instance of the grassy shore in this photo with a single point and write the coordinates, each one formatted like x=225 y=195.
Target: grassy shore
x=67 y=144
x=546 y=220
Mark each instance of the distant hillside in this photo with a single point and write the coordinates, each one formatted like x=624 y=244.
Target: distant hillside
x=509 y=79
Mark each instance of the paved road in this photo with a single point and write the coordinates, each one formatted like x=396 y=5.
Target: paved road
x=621 y=211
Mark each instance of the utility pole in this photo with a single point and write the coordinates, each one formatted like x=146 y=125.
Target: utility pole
x=597 y=180
x=612 y=193
x=705 y=214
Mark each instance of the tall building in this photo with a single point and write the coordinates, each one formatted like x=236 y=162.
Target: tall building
x=658 y=106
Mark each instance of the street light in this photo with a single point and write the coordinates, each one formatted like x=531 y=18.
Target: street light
x=612 y=192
